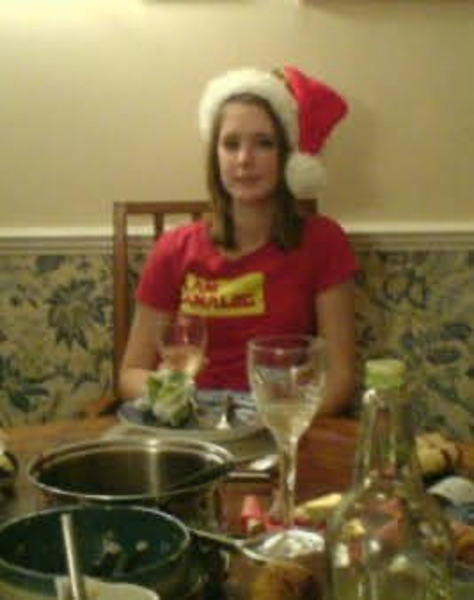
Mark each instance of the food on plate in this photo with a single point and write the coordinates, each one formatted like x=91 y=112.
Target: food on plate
x=437 y=454
x=170 y=397
x=284 y=581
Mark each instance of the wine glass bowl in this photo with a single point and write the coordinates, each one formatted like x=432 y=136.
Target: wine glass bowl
x=182 y=342
x=287 y=376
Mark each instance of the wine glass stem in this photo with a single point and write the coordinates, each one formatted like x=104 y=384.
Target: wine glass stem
x=288 y=481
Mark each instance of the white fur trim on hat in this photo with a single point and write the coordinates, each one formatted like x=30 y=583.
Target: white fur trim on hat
x=305 y=175
x=251 y=81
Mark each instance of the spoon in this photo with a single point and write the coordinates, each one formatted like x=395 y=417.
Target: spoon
x=244 y=546
x=260 y=548
x=73 y=563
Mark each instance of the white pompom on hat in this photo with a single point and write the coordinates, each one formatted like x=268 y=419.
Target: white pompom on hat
x=307 y=109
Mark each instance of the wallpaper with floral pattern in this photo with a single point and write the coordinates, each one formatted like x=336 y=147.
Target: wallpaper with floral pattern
x=56 y=331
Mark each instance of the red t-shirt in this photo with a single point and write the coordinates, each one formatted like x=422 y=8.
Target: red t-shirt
x=267 y=292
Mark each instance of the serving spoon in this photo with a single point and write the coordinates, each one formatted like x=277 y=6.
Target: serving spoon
x=259 y=548
x=78 y=589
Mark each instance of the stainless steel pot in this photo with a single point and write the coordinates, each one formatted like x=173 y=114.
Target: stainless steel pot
x=135 y=470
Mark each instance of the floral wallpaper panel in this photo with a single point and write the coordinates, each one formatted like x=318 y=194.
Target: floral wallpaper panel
x=56 y=331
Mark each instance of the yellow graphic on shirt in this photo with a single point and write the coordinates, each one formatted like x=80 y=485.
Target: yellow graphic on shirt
x=236 y=297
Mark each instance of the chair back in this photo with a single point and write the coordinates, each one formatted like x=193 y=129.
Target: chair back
x=159 y=213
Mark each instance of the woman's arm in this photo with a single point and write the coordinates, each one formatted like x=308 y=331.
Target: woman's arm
x=335 y=313
x=141 y=353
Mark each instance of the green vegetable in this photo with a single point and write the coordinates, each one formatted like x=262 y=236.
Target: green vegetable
x=171 y=397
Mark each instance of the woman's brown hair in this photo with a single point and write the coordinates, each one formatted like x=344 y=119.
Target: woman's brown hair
x=287 y=222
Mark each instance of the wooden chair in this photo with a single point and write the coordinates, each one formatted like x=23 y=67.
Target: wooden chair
x=159 y=213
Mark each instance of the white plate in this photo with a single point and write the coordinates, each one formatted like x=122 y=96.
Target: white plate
x=245 y=422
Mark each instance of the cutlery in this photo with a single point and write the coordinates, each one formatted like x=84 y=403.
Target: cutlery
x=73 y=563
x=255 y=547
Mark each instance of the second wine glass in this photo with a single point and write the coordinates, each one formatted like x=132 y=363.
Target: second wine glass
x=287 y=376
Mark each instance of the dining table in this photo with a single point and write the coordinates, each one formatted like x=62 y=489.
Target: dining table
x=325 y=464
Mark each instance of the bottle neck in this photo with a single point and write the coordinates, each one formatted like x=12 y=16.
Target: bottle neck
x=386 y=446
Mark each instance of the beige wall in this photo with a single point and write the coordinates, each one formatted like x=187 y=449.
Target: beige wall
x=98 y=102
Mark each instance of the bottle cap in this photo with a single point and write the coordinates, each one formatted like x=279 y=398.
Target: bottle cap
x=382 y=373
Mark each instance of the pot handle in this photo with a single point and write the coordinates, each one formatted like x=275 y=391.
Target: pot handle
x=203 y=476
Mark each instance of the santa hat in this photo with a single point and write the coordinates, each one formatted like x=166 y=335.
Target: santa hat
x=307 y=109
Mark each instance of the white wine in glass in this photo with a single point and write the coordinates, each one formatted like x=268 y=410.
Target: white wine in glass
x=182 y=342
x=287 y=376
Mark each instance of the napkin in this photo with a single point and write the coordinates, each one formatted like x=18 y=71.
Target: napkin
x=104 y=590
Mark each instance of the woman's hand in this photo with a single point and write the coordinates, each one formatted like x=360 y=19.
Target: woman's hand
x=141 y=354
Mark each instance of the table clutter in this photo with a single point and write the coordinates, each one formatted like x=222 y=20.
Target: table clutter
x=325 y=465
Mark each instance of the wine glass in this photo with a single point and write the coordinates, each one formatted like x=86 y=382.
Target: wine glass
x=182 y=342
x=287 y=376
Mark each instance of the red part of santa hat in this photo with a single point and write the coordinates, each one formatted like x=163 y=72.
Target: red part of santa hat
x=320 y=108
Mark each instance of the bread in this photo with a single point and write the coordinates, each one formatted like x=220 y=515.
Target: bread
x=284 y=581
x=437 y=455
x=318 y=510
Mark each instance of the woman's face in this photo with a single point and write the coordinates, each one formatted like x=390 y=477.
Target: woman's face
x=247 y=152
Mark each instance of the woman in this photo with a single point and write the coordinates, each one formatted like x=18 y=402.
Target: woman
x=256 y=266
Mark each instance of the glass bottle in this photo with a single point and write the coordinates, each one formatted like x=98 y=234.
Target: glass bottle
x=388 y=539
